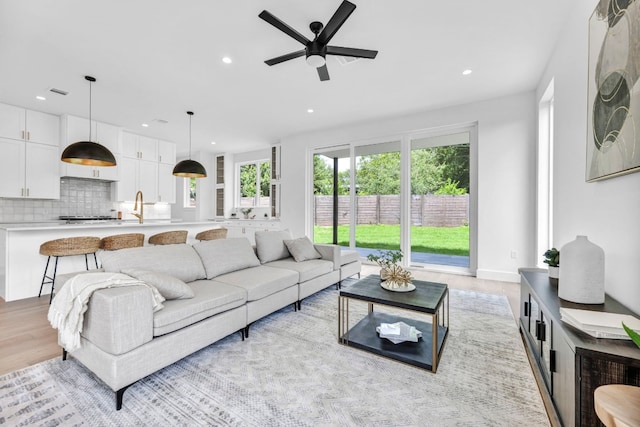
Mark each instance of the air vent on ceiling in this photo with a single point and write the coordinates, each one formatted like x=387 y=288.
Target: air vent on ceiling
x=58 y=91
x=162 y=121
x=344 y=60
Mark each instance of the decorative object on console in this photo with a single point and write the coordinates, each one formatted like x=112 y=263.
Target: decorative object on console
x=316 y=50
x=552 y=258
x=582 y=273
x=246 y=212
x=189 y=168
x=88 y=153
x=613 y=143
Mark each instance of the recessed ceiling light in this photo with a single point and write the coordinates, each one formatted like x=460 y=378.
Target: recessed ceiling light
x=227 y=60
x=467 y=72
x=310 y=110
x=145 y=125
x=213 y=143
x=41 y=98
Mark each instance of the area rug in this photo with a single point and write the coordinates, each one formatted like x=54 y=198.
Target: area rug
x=292 y=372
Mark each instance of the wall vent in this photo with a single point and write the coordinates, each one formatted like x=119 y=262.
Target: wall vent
x=58 y=91
x=344 y=60
x=162 y=121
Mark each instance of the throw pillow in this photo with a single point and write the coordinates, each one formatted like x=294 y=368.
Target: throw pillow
x=302 y=249
x=270 y=245
x=168 y=286
x=226 y=255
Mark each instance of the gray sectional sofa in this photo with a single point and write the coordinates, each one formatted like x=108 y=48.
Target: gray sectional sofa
x=213 y=289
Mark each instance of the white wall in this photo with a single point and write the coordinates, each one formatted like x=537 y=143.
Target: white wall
x=608 y=211
x=506 y=140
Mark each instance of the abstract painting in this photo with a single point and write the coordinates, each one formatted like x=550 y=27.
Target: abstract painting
x=613 y=133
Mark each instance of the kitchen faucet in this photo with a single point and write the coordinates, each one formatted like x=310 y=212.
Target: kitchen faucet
x=140 y=215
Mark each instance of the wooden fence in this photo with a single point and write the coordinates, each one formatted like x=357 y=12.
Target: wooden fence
x=427 y=210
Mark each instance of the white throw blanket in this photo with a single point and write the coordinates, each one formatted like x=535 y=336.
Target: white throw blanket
x=66 y=312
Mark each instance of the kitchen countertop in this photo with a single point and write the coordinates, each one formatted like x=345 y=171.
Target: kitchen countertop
x=60 y=225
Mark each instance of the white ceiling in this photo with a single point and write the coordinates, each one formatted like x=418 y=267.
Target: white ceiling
x=156 y=59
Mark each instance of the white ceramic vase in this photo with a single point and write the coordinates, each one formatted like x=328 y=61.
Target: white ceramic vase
x=554 y=272
x=582 y=274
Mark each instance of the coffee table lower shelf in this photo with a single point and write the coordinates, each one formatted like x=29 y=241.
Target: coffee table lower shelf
x=364 y=337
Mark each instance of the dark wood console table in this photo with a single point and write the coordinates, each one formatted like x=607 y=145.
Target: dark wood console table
x=571 y=364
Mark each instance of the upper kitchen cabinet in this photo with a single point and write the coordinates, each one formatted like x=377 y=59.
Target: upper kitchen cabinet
x=74 y=129
x=28 y=125
x=29 y=170
x=139 y=147
x=166 y=152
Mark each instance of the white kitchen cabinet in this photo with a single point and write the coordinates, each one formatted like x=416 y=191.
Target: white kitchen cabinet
x=139 y=147
x=248 y=228
x=76 y=129
x=137 y=175
x=29 y=170
x=28 y=125
x=166 y=183
x=167 y=152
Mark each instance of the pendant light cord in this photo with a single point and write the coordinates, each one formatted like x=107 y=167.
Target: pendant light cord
x=190 y=135
x=89 y=110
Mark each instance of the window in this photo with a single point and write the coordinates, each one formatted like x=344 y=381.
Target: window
x=254 y=183
x=189 y=193
x=544 y=196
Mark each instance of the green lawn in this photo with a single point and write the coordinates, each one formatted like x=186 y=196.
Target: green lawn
x=434 y=240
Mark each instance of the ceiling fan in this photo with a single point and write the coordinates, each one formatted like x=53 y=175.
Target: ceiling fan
x=316 y=50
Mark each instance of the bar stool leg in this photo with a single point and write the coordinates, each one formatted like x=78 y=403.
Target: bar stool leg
x=95 y=258
x=44 y=276
x=53 y=280
x=86 y=262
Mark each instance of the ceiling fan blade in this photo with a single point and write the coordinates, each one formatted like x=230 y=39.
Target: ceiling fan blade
x=288 y=56
x=336 y=21
x=349 y=51
x=323 y=73
x=267 y=16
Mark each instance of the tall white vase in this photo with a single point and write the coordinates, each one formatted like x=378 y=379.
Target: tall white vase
x=582 y=272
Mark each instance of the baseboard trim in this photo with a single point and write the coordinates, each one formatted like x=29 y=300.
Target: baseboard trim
x=500 y=276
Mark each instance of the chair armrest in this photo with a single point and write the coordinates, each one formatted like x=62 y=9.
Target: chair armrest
x=119 y=319
x=330 y=253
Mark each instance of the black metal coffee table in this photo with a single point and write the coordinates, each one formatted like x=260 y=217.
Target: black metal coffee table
x=429 y=298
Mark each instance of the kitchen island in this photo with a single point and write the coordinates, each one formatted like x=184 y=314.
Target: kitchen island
x=22 y=266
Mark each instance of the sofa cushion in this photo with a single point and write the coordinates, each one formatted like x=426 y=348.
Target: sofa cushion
x=180 y=261
x=210 y=298
x=307 y=270
x=270 y=245
x=261 y=281
x=226 y=255
x=347 y=257
x=168 y=286
x=302 y=249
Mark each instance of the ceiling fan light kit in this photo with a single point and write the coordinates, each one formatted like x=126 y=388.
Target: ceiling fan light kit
x=317 y=49
x=88 y=153
x=189 y=168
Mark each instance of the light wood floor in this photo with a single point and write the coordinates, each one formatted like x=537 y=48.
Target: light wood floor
x=26 y=337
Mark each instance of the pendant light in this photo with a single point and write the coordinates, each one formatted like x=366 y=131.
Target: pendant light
x=189 y=168
x=88 y=153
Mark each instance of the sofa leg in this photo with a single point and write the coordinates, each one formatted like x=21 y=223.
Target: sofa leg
x=64 y=354
x=299 y=305
x=295 y=306
x=242 y=333
x=246 y=331
x=119 y=395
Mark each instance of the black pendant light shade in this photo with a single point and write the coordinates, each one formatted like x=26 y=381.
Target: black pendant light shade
x=88 y=153
x=189 y=168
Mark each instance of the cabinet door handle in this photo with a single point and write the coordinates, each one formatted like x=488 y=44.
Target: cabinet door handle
x=526 y=309
x=159 y=158
x=98 y=172
x=27 y=192
x=22 y=137
x=541 y=330
x=28 y=136
x=22 y=192
x=552 y=360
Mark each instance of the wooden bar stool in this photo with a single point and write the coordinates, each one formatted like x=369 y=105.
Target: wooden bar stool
x=618 y=405
x=122 y=241
x=66 y=247
x=213 y=234
x=169 y=238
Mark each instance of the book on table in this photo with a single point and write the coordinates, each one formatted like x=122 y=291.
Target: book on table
x=599 y=324
x=398 y=332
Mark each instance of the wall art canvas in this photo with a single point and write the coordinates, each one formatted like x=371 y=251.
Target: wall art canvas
x=613 y=130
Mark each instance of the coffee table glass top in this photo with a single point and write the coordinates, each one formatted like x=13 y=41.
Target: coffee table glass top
x=426 y=298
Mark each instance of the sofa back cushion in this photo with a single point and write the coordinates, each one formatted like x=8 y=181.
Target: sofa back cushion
x=226 y=255
x=302 y=249
x=168 y=286
x=180 y=261
x=270 y=245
